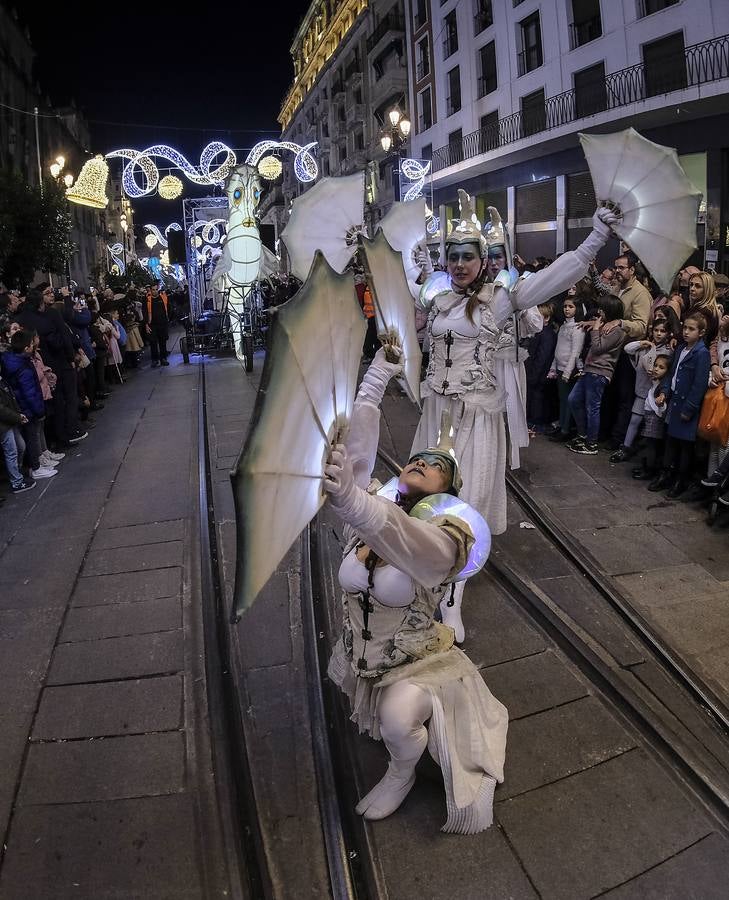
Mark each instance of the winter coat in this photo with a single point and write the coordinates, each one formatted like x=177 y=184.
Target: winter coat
x=541 y=354
x=570 y=341
x=45 y=376
x=684 y=404
x=19 y=372
x=9 y=409
x=56 y=342
x=78 y=320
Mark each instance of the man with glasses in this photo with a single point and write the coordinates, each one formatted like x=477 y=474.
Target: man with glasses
x=636 y=301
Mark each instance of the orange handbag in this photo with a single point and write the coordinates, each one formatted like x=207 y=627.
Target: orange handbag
x=714 y=418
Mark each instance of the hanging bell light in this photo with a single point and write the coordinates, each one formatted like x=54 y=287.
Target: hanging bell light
x=90 y=187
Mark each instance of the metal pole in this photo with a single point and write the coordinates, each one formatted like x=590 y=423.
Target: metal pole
x=37 y=150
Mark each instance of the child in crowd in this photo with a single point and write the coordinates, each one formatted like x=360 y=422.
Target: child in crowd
x=19 y=371
x=541 y=352
x=11 y=441
x=643 y=355
x=607 y=339
x=570 y=341
x=683 y=390
x=654 y=425
x=47 y=380
x=719 y=378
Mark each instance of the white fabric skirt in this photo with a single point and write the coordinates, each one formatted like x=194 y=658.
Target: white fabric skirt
x=480 y=445
x=466 y=734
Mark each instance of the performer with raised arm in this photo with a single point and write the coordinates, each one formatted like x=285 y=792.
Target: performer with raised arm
x=397 y=665
x=469 y=310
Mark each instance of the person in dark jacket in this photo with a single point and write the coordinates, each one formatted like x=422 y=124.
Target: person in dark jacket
x=20 y=374
x=541 y=395
x=683 y=390
x=77 y=316
x=57 y=350
x=157 y=325
x=11 y=442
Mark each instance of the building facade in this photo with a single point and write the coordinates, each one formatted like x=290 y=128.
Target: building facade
x=500 y=89
x=350 y=68
x=30 y=143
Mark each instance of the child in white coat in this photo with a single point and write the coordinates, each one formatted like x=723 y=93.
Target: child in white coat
x=570 y=341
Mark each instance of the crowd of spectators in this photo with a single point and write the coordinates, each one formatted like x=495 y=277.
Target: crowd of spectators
x=61 y=356
x=642 y=373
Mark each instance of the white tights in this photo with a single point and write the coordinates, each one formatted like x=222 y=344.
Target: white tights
x=403 y=710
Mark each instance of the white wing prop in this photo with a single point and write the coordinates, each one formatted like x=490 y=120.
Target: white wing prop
x=404 y=228
x=304 y=404
x=659 y=204
x=328 y=217
x=394 y=305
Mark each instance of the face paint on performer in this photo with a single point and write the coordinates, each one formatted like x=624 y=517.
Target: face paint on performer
x=425 y=474
x=496 y=261
x=464 y=263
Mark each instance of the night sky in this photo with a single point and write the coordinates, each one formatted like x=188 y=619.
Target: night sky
x=167 y=77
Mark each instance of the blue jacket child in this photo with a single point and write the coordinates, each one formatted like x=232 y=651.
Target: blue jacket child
x=686 y=383
x=19 y=372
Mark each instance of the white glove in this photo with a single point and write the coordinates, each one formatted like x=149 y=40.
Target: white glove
x=339 y=482
x=378 y=374
x=423 y=260
x=604 y=220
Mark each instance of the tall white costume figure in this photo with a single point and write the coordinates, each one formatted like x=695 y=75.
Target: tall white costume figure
x=471 y=373
x=397 y=665
x=240 y=261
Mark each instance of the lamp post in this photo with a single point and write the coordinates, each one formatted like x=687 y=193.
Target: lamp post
x=124 y=226
x=393 y=138
x=56 y=169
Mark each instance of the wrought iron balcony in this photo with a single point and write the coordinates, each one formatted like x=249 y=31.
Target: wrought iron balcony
x=702 y=63
x=584 y=32
x=394 y=22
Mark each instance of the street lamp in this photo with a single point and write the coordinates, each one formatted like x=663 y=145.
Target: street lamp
x=124 y=226
x=395 y=136
x=56 y=169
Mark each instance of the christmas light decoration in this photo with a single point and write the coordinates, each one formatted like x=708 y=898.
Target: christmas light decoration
x=116 y=254
x=305 y=165
x=141 y=160
x=150 y=240
x=170 y=187
x=270 y=168
x=160 y=238
x=90 y=187
x=414 y=170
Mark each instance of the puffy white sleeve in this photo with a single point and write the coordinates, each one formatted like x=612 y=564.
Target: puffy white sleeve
x=422 y=550
x=557 y=277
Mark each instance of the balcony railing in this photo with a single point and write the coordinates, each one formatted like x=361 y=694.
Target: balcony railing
x=393 y=21
x=702 y=63
x=584 y=32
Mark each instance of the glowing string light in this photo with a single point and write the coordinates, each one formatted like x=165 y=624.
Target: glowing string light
x=141 y=161
x=170 y=187
x=116 y=253
x=305 y=165
x=414 y=171
x=160 y=238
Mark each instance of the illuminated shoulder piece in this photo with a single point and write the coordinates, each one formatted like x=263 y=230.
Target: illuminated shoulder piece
x=435 y=284
x=448 y=509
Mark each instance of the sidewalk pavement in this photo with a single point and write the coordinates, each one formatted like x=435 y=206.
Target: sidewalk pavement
x=106 y=783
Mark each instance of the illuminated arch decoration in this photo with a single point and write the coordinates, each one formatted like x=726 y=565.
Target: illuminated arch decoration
x=161 y=238
x=305 y=165
x=116 y=257
x=141 y=161
x=415 y=172
x=206 y=239
x=170 y=187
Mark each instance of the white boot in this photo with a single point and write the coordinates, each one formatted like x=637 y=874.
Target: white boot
x=450 y=610
x=387 y=795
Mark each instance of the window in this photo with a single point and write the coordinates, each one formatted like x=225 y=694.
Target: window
x=586 y=23
x=453 y=103
x=483 y=17
x=648 y=7
x=489 y=131
x=421 y=12
x=450 y=31
x=455 y=146
x=358 y=140
x=426 y=113
x=590 y=91
x=665 y=65
x=427 y=151
x=487 y=81
x=533 y=113
x=531 y=44
x=422 y=54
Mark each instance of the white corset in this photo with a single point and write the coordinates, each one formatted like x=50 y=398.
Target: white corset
x=391 y=586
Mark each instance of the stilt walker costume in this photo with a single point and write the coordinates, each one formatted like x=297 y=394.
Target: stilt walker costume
x=468 y=343
x=397 y=665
